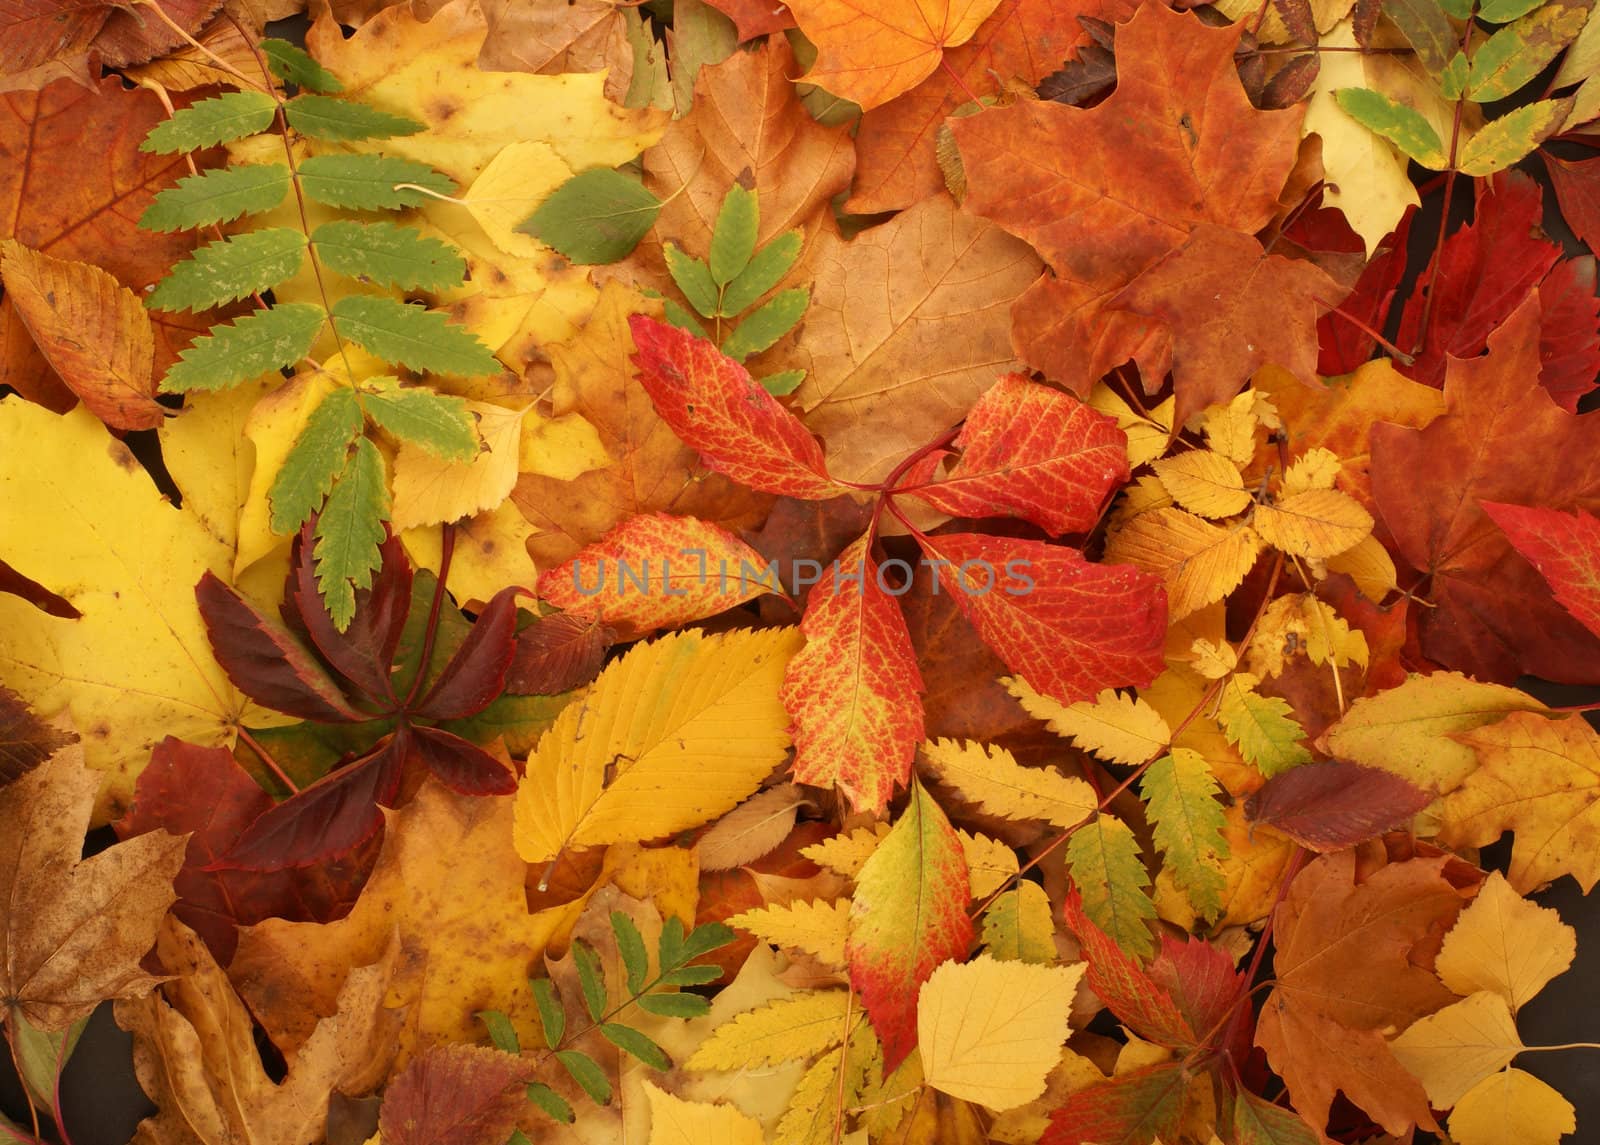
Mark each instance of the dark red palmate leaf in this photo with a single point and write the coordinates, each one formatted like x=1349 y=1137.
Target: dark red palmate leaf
x=1569 y=331
x=363 y=653
x=557 y=653
x=1134 y=1109
x=460 y=765
x=1343 y=344
x=1331 y=805
x=476 y=674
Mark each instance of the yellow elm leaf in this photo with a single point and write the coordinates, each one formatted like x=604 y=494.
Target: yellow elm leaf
x=1199 y=561
x=1143 y=495
x=991 y=777
x=1019 y=925
x=1317 y=523
x=1316 y=468
x=674 y=1121
x=670 y=736
x=847 y=852
x=990 y=1031
x=429 y=490
x=990 y=863
x=1204 y=482
x=1230 y=428
x=1504 y=943
x=1149 y=432
x=1512 y=1108
x=1115 y=726
x=785 y=1030
x=1452 y=1050
x=819 y=928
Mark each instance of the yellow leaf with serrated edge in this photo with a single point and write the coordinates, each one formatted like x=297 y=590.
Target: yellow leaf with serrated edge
x=992 y=778
x=1104 y=861
x=1262 y=727
x=1302 y=625
x=1452 y=1050
x=1369 y=564
x=429 y=490
x=513 y=184
x=990 y=1031
x=785 y=1030
x=1504 y=943
x=674 y=1121
x=830 y=1090
x=1316 y=468
x=1251 y=872
x=1512 y=1108
x=1213 y=660
x=847 y=852
x=1318 y=523
x=1230 y=428
x=1144 y=495
x=1204 y=482
x=1115 y=726
x=1019 y=925
x=818 y=928
x=1149 y=432
x=990 y=863
x=1200 y=562
x=670 y=736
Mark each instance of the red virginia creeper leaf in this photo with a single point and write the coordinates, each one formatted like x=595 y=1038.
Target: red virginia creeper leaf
x=365 y=651
x=460 y=765
x=1564 y=547
x=1331 y=805
x=1134 y=1109
x=476 y=674
x=557 y=653
x=450 y=1095
x=1343 y=345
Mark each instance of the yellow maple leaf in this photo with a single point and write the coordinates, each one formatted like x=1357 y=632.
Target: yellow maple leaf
x=1512 y=1108
x=991 y=777
x=1503 y=942
x=674 y=1121
x=1115 y=726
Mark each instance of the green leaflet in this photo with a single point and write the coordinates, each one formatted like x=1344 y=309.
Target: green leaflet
x=552 y=1018
x=1403 y=126
x=630 y=944
x=291 y=64
x=212 y=121
x=317 y=457
x=591 y=978
x=388 y=255
x=1018 y=924
x=765 y=271
x=230 y=269
x=1507 y=139
x=1426 y=28
x=217 y=197
x=1504 y=11
x=693 y=278
x=1181 y=794
x=733 y=239
x=439 y=423
x=783 y=382
x=252 y=345
x=371 y=182
x=349 y=531
x=675 y=1005
x=342 y=120
x=631 y=1041
x=681 y=318
x=587 y=1074
x=1261 y=727
x=501 y=1032
x=1518 y=52
x=552 y=1103
x=767 y=323
x=1103 y=859
x=412 y=336
x=596 y=217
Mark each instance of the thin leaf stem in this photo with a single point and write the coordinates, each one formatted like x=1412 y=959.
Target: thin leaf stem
x=266 y=758
x=447 y=551
x=16 y=1060
x=1432 y=288
x=1395 y=352
x=224 y=65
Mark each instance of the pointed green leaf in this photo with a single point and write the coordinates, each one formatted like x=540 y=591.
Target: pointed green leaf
x=41 y=1055
x=1427 y=29
x=1453 y=79
x=632 y=1041
x=501 y=1032
x=1257 y=1121
x=733 y=239
x=410 y=335
x=1511 y=57
x=252 y=345
x=439 y=423
x=388 y=255
x=765 y=271
x=1403 y=126
x=598 y=216
x=630 y=944
x=217 y=197
x=343 y=120
x=349 y=531
x=315 y=460
x=552 y=1017
x=691 y=976
x=587 y=1074
x=591 y=978
x=212 y=121
x=291 y=64
x=1508 y=139
x=782 y=383
x=1103 y=859
x=675 y=1005
x=1460 y=9
x=1181 y=794
x=681 y=318
x=371 y=182
x=552 y=1103
x=230 y=269
x=704 y=939
x=1504 y=11
x=669 y=948
x=767 y=323
x=1262 y=727
x=693 y=278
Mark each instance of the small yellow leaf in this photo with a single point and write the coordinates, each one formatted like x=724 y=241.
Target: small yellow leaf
x=1199 y=561
x=1231 y=429
x=1149 y=432
x=1213 y=660
x=818 y=928
x=992 y=778
x=847 y=852
x=1454 y=1049
x=1019 y=926
x=674 y=1121
x=515 y=182
x=1369 y=564
x=1504 y=943
x=784 y=1030
x=1316 y=468
x=429 y=490
x=1114 y=726
x=1204 y=482
x=1317 y=523
x=1512 y=1108
x=990 y=863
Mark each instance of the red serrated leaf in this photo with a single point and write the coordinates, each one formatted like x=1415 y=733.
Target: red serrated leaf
x=1207 y=988
x=476 y=674
x=854 y=690
x=908 y=915
x=1331 y=805
x=1122 y=983
x=365 y=651
x=715 y=406
x=1564 y=547
x=26 y=741
x=454 y=1095
x=460 y=765
x=1134 y=1109
x=1033 y=452
x=1072 y=628
x=1569 y=332
x=558 y=653
x=1343 y=345
x=265 y=662
x=1297 y=17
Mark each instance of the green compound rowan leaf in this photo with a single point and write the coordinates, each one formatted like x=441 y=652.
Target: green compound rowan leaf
x=681 y=318
x=587 y=1074
x=230 y=269
x=388 y=255
x=733 y=239
x=1188 y=822
x=501 y=1032
x=291 y=64
x=552 y=1017
x=765 y=271
x=1403 y=126
x=675 y=1005
x=212 y=121
x=217 y=197
x=1261 y=727
x=693 y=278
x=349 y=531
x=252 y=345
x=630 y=944
x=411 y=335
x=552 y=1103
x=782 y=383
x=591 y=978
x=631 y=1041
x=1104 y=862
x=342 y=121
x=439 y=423
x=1516 y=53
x=1507 y=140
x=371 y=182
x=315 y=460
x=596 y=217
x=767 y=323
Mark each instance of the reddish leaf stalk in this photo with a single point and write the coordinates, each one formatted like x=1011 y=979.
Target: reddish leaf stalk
x=265 y=756
x=447 y=551
x=1444 y=209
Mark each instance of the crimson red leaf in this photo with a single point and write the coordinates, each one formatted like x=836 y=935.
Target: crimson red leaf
x=1344 y=344
x=1133 y=1109
x=265 y=662
x=363 y=653
x=26 y=741
x=556 y=654
x=1564 y=547
x=1332 y=805
x=1122 y=983
x=454 y=1095
x=476 y=674
x=1569 y=332
x=1577 y=187
x=462 y=766
x=1207 y=987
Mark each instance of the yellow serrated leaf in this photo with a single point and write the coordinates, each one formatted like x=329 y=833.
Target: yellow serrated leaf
x=670 y=736
x=429 y=490
x=1452 y=1050
x=992 y=778
x=1318 y=523
x=1504 y=943
x=1512 y=1108
x=1148 y=433
x=1200 y=562
x=990 y=863
x=1115 y=726
x=1144 y=494
x=1204 y=482
x=1316 y=468
x=674 y=1121
x=1257 y=857
x=1302 y=625
x=819 y=928
x=829 y=1090
x=847 y=852
x=1211 y=660
x=786 y=1030
x=1230 y=429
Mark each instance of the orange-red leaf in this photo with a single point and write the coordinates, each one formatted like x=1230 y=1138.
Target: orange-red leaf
x=854 y=689
x=1564 y=547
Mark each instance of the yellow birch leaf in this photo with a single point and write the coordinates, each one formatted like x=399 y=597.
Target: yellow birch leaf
x=785 y=1030
x=520 y=177
x=1019 y=926
x=1115 y=726
x=430 y=491
x=1200 y=562
x=670 y=736
x=1317 y=523
x=1316 y=468
x=1512 y=1108
x=847 y=852
x=818 y=928
x=1452 y=1050
x=1504 y=943
x=1230 y=428
x=674 y=1121
x=1204 y=482
x=990 y=1031
x=991 y=777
